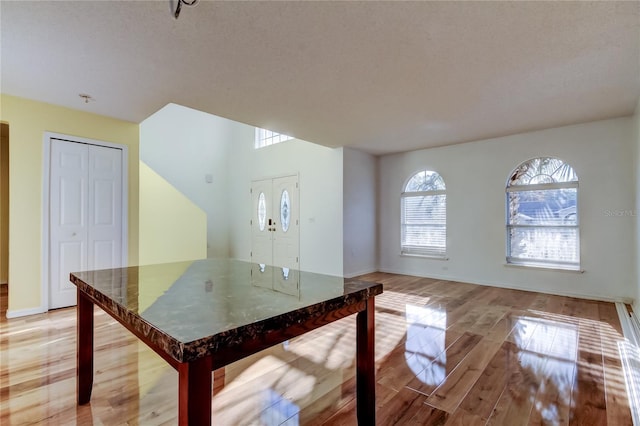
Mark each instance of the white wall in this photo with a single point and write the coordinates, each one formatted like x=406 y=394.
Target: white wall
x=475 y=174
x=359 y=202
x=184 y=145
x=320 y=179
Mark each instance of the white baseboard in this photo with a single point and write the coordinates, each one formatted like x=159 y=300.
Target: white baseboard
x=24 y=312
x=364 y=272
x=578 y=295
x=630 y=356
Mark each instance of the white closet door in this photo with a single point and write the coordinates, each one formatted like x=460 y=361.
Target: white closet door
x=68 y=219
x=85 y=219
x=105 y=207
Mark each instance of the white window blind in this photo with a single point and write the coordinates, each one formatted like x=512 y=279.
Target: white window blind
x=424 y=215
x=542 y=215
x=266 y=137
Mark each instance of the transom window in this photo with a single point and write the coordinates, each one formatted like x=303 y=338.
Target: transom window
x=266 y=137
x=542 y=215
x=424 y=215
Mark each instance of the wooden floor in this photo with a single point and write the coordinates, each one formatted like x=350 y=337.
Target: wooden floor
x=446 y=353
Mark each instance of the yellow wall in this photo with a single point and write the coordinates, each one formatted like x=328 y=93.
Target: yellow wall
x=28 y=121
x=172 y=228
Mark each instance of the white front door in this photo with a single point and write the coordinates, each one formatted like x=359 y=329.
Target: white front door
x=85 y=214
x=275 y=231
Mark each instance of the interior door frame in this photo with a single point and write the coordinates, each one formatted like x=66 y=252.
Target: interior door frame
x=46 y=202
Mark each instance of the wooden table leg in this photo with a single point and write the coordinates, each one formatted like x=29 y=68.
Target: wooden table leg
x=194 y=387
x=84 y=378
x=365 y=366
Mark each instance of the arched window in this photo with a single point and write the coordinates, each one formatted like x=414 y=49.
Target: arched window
x=424 y=215
x=542 y=215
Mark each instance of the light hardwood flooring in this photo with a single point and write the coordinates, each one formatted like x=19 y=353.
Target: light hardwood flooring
x=446 y=353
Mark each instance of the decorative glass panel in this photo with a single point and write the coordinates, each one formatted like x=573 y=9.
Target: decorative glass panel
x=262 y=211
x=425 y=181
x=542 y=170
x=285 y=210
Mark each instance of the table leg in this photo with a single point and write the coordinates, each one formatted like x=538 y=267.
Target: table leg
x=84 y=378
x=194 y=399
x=365 y=366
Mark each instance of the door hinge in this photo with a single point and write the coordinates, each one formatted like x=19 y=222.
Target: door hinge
x=296 y=184
x=250 y=221
x=250 y=254
x=297 y=260
x=250 y=190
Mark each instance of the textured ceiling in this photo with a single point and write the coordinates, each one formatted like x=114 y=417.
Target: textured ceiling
x=378 y=76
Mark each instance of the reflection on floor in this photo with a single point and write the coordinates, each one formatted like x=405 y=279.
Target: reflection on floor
x=447 y=353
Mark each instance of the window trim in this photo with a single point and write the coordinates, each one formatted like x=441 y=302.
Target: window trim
x=411 y=250
x=558 y=265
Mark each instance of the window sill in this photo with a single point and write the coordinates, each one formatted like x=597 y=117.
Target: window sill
x=544 y=267
x=424 y=256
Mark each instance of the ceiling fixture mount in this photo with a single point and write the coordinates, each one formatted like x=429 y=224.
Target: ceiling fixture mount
x=86 y=97
x=179 y=4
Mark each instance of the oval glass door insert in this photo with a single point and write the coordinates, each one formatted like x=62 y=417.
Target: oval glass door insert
x=262 y=211
x=285 y=213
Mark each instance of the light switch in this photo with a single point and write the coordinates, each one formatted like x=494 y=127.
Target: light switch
x=208 y=178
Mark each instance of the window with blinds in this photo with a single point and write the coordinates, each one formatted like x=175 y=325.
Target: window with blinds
x=542 y=215
x=424 y=216
x=266 y=137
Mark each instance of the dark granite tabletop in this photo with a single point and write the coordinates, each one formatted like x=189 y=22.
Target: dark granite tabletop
x=190 y=309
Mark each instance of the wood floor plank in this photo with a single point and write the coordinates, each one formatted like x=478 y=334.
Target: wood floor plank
x=448 y=395
x=617 y=400
x=400 y=409
x=427 y=380
x=484 y=394
x=429 y=416
x=552 y=400
x=516 y=401
x=607 y=314
x=588 y=403
x=462 y=418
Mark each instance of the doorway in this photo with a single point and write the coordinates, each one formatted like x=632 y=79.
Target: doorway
x=275 y=232
x=85 y=213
